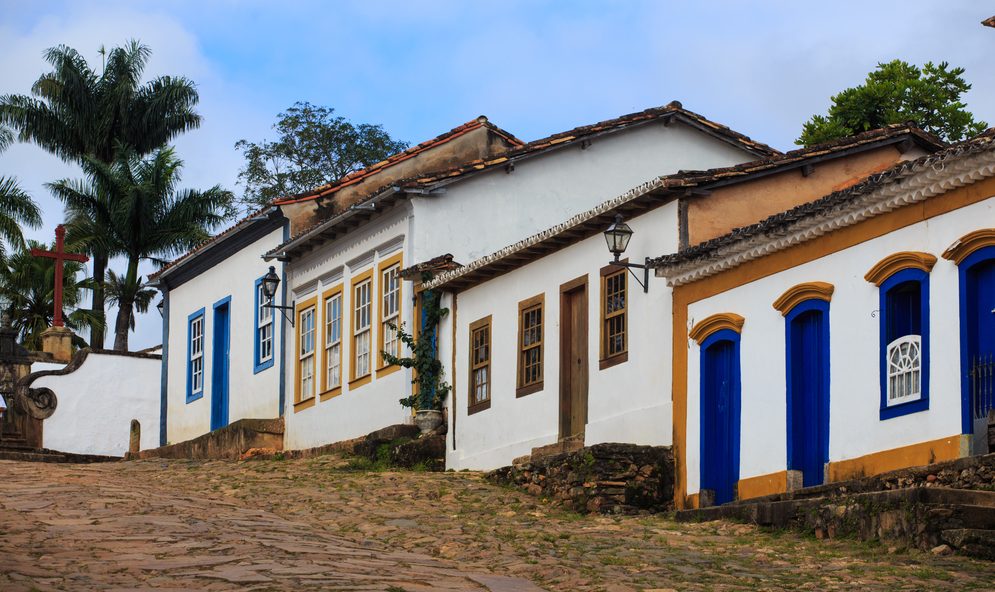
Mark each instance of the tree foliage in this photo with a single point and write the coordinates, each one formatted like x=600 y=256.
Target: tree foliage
x=75 y=113
x=27 y=290
x=432 y=389
x=897 y=92
x=134 y=208
x=17 y=209
x=315 y=147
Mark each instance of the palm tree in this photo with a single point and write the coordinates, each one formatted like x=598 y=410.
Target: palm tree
x=75 y=113
x=141 y=215
x=17 y=209
x=27 y=289
x=118 y=290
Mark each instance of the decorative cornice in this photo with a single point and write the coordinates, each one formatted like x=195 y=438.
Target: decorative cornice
x=795 y=295
x=896 y=262
x=970 y=243
x=723 y=320
x=928 y=180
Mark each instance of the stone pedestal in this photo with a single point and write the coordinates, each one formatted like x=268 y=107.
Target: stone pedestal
x=58 y=341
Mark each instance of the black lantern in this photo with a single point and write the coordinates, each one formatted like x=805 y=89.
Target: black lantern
x=270 y=282
x=161 y=306
x=617 y=236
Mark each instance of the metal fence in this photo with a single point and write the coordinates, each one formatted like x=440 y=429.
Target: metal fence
x=980 y=375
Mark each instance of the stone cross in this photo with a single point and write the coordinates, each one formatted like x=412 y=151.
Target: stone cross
x=61 y=256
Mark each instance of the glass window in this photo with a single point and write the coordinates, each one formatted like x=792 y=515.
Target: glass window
x=333 y=341
x=361 y=327
x=614 y=330
x=264 y=326
x=480 y=364
x=530 y=323
x=306 y=353
x=197 y=355
x=390 y=309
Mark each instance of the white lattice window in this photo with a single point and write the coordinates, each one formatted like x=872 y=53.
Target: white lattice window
x=391 y=309
x=333 y=341
x=264 y=321
x=904 y=369
x=361 y=328
x=197 y=355
x=306 y=356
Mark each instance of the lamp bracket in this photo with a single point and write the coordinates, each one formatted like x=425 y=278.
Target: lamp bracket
x=645 y=283
x=283 y=310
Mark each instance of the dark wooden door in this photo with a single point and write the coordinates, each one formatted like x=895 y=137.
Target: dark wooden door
x=573 y=358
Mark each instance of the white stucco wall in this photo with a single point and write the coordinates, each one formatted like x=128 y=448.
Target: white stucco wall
x=97 y=402
x=492 y=210
x=628 y=402
x=251 y=395
x=855 y=427
x=358 y=410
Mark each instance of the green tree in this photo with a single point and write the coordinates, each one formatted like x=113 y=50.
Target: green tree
x=17 y=209
x=894 y=93
x=75 y=113
x=27 y=289
x=315 y=147
x=119 y=290
x=141 y=215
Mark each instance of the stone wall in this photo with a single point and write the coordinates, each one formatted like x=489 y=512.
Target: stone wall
x=605 y=478
x=229 y=442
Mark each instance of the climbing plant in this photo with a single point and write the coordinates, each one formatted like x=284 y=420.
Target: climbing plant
x=432 y=388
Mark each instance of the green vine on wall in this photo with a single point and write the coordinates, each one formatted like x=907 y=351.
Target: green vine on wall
x=432 y=389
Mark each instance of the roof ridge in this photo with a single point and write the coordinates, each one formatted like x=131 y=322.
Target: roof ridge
x=354 y=176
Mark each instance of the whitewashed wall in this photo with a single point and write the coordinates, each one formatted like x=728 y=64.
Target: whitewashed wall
x=628 y=402
x=250 y=394
x=98 y=401
x=855 y=398
x=368 y=407
x=492 y=210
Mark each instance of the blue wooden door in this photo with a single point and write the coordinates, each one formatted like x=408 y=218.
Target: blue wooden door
x=219 y=365
x=980 y=328
x=720 y=394
x=808 y=395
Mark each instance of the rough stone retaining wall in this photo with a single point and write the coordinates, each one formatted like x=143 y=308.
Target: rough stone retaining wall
x=605 y=478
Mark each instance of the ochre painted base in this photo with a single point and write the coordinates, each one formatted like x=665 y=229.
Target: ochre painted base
x=58 y=341
x=916 y=455
x=763 y=485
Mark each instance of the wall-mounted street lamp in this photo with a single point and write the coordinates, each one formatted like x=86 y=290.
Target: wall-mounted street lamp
x=617 y=236
x=270 y=283
x=161 y=306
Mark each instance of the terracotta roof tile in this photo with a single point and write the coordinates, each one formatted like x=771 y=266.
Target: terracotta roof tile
x=210 y=241
x=781 y=223
x=590 y=222
x=371 y=170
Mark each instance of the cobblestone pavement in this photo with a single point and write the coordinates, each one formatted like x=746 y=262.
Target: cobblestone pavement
x=315 y=524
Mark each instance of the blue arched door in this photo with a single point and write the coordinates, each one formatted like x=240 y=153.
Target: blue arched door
x=978 y=285
x=720 y=414
x=808 y=390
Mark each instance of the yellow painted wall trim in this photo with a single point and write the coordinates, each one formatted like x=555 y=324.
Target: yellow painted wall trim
x=685 y=295
x=970 y=243
x=896 y=262
x=723 y=320
x=795 y=295
x=762 y=485
x=302 y=306
x=915 y=455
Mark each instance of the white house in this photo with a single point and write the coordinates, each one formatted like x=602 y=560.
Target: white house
x=222 y=348
x=547 y=341
x=344 y=271
x=841 y=338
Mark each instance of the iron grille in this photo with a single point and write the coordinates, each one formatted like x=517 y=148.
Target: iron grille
x=980 y=375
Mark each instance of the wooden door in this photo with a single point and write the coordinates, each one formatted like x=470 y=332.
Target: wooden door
x=980 y=329
x=573 y=358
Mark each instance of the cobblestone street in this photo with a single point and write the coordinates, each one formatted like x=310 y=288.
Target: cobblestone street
x=316 y=524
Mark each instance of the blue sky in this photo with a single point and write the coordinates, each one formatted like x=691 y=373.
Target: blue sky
x=533 y=67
